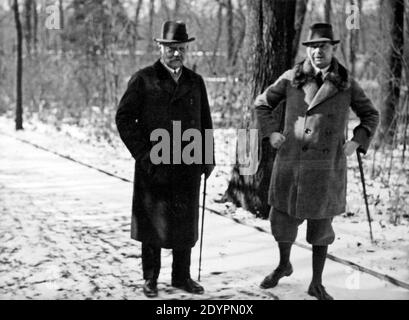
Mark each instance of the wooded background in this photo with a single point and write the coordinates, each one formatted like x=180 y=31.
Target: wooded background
x=77 y=73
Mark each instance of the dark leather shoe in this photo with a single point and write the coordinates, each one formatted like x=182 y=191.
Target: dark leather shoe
x=318 y=291
x=188 y=285
x=272 y=279
x=150 y=288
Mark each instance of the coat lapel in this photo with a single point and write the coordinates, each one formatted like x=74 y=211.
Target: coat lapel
x=336 y=80
x=166 y=82
x=164 y=79
x=184 y=84
x=310 y=90
x=327 y=90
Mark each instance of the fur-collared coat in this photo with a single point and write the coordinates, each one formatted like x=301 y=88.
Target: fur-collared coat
x=165 y=205
x=309 y=173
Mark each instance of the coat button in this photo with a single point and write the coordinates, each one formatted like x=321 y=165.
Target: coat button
x=305 y=148
x=308 y=131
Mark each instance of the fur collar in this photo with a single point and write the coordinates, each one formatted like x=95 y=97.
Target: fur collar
x=337 y=74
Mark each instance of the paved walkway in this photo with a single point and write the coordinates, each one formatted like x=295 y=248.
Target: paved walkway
x=64 y=234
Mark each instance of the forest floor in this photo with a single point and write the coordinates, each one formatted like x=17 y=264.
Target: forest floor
x=32 y=201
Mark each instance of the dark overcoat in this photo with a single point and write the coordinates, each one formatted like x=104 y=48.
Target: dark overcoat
x=165 y=196
x=309 y=173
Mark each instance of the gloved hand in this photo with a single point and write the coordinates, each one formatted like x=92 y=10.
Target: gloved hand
x=350 y=147
x=276 y=140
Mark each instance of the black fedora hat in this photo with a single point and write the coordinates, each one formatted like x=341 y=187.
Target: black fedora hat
x=174 y=32
x=320 y=32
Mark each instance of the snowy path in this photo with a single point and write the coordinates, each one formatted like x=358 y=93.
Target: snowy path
x=64 y=234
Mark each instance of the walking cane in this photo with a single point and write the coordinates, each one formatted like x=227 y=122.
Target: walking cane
x=201 y=232
x=364 y=191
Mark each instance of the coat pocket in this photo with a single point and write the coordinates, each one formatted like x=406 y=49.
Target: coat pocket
x=155 y=174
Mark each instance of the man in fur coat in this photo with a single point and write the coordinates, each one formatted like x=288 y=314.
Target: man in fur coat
x=308 y=181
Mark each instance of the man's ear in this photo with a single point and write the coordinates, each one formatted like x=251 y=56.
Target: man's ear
x=335 y=47
x=159 y=46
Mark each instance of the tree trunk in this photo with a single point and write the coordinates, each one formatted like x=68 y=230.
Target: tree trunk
x=137 y=13
x=271 y=32
x=353 y=47
x=150 y=26
x=328 y=9
x=166 y=9
x=362 y=30
x=241 y=33
x=391 y=89
x=35 y=25
x=61 y=9
x=136 y=36
x=176 y=10
x=300 y=12
x=218 y=35
x=230 y=33
x=19 y=82
x=28 y=28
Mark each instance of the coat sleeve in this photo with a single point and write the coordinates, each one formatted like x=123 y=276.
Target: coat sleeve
x=206 y=125
x=265 y=104
x=127 y=117
x=368 y=115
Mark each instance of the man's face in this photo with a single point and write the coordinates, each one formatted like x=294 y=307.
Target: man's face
x=321 y=54
x=173 y=54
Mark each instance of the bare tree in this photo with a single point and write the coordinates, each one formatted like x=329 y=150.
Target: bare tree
x=270 y=32
x=391 y=89
x=353 y=46
x=166 y=9
x=136 y=23
x=35 y=25
x=362 y=32
x=218 y=34
x=28 y=26
x=241 y=22
x=301 y=10
x=19 y=82
x=176 y=10
x=328 y=10
x=150 y=25
x=230 y=33
x=61 y=9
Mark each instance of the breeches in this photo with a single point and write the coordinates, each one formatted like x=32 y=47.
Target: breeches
x=285 y=228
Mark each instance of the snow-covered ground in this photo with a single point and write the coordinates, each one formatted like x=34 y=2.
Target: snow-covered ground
x=388 y=255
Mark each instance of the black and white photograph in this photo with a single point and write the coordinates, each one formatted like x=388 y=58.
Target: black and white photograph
x=234 y=151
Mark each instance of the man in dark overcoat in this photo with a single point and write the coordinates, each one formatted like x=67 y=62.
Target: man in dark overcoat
x=166 y=97
x=308 y=181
